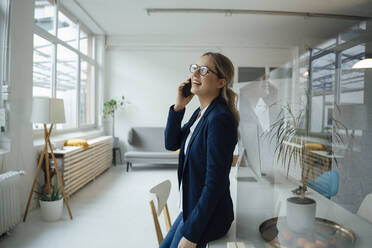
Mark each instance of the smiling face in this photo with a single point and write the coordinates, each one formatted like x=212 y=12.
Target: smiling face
x=208 y=85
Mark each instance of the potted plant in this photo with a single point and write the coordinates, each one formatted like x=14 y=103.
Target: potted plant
x=51 y=203
x=109 y=109
x=290 y=135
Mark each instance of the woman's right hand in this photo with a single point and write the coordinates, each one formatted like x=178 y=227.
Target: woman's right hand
x=182 y=101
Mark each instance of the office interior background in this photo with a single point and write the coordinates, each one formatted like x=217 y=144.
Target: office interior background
x=87 y=52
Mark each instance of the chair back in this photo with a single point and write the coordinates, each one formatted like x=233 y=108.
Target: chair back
x=161 y=192
x=365 y=209
x=326 y=184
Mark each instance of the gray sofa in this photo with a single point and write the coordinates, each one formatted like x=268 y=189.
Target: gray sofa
x=146 y=145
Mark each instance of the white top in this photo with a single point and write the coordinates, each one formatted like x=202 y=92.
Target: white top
x=192 y=128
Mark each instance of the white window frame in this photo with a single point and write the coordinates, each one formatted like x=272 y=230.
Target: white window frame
x=4 y=59
x=53 y=38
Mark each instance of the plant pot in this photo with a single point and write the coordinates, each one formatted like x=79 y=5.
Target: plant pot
x=51 y=210
x=301 y=214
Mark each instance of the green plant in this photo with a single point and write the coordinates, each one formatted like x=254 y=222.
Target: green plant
x=291 y=134
x=109 y=107
x=54 y=195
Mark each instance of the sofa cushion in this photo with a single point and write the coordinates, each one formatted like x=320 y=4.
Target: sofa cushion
x=165 y=155
x=146 y=139
x=130 y=136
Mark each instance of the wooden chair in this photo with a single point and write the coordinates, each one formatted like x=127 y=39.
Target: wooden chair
x=365 y=209
x=161 y=191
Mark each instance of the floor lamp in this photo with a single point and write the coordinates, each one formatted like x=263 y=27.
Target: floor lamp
x=47 y=111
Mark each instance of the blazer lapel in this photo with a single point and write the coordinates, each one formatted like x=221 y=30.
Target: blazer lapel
x=197 y=129
x=182 y=148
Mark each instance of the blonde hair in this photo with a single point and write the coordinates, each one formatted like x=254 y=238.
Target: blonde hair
x=225 y=69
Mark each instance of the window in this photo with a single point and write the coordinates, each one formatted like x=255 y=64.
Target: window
x=63 y=65
x=42 y=67
x=333 y=80
x=352 y=80
x=86 y=42
x=86 y=93
x=323 y=67
x=67 y=29
x=4 y=32
x=67 y=84
x=45 y=15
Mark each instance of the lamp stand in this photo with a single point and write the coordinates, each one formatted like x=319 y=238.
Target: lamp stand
x=45 y=155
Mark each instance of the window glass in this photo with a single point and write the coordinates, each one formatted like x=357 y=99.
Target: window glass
x=86 y=42
x=67 y=84
x=67 y=29
x=86 y=93
x=322 y=85
x=45 y=15
x=352 y=80
x=42 y=67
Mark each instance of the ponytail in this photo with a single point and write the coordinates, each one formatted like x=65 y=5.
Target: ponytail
x=226 y=69
x=231 y=99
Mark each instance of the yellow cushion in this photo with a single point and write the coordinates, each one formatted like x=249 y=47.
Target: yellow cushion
x=178 y=151
x=77 y=142
x=314 y=147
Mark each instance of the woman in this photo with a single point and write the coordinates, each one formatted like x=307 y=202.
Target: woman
x=206 y=144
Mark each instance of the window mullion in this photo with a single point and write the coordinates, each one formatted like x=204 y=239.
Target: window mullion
x=78 y=36
x=54 y=71
x=78 y=91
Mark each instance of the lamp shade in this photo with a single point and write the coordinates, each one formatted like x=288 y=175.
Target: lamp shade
x=47 y=110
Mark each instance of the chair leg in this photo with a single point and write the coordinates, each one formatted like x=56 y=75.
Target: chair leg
x=121 y=161
x=127 y=166
x=114 y=156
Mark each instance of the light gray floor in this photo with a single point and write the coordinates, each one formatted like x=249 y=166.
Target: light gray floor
x=112 y=211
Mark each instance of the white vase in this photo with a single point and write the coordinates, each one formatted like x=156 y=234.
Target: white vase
x=301 y=214
x=51 y=210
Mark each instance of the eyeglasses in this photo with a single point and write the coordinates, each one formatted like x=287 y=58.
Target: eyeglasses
x=203 y=70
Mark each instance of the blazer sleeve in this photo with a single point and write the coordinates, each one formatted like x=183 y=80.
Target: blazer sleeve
x=221 y=141
x=173 y=132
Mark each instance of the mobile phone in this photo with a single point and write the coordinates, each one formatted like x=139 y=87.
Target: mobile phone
x=186 y=89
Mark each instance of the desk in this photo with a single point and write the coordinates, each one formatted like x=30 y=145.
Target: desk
x=257 y=202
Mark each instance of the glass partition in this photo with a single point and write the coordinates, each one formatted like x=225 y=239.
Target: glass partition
x=313 y=116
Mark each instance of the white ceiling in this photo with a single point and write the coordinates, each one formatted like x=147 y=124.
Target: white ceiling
x=129 y=18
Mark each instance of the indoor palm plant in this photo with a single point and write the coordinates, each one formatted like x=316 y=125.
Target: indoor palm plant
x=51 y=203
x=290 y=134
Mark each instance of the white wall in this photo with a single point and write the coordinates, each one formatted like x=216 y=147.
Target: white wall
x=148 y=75
x=22 y=155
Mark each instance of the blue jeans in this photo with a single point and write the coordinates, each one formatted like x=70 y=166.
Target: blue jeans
x=174 y=235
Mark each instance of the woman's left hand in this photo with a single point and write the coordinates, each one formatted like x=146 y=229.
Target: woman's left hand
x=184 y=243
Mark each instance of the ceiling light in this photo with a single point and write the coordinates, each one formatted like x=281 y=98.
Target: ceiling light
x=363 y=64
x=230 y=12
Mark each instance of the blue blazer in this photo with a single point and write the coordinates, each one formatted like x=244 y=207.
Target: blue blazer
x=204 y=170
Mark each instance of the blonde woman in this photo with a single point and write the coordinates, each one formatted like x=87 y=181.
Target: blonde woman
x=206 y=144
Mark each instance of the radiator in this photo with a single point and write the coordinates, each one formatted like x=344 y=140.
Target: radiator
x=10 y=204
x=82 y=166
